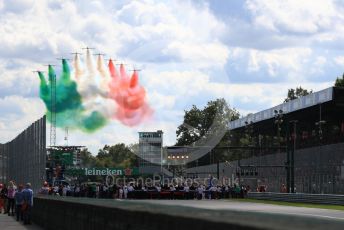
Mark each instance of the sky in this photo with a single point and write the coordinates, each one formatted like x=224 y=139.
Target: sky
x=189 y=52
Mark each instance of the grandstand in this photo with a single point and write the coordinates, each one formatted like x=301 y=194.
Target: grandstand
x=312 y=126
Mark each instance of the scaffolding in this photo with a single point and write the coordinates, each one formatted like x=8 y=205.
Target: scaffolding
x=52 y=80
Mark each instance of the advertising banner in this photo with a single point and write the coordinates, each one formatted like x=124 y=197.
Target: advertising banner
x=102 y=172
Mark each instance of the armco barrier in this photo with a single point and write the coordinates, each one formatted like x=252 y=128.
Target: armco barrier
x=299 y=197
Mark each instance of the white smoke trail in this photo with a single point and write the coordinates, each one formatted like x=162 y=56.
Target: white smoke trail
x=92 y=84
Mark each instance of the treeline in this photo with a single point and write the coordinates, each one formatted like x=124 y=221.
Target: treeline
x=119 y=155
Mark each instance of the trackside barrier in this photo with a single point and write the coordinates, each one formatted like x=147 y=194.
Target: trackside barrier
x=97 y=214
x=299 y=197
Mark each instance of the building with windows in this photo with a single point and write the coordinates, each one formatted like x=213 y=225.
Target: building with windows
x=150 y=148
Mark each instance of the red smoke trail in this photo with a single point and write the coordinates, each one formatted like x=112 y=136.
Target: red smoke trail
x=129 y=95
x=112 y=69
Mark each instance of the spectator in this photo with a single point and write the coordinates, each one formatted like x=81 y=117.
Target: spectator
x=28 y=203
x=60 y=190
x=19 y=200
x=70 y=190
x=187 y=191
x=77 y=191
x=2 y=198
x=125 y=191
x=64 y=190
x=237 y=191
x=200 y=191
x=45 y=189
x=131 y=191
x=283 y=188
x=55 y=190
x=212 y=192
x=11 y=190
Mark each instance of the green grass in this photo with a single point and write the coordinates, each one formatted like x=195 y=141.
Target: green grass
x=306 y=205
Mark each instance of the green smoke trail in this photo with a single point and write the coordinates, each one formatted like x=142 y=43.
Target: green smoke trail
x=79 y=120
x=93 y=122
x=67 y=96
x=44 y=90
x=68 y=108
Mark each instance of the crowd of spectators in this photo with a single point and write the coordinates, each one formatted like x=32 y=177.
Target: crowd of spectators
x=16 y=200
x=131 y=191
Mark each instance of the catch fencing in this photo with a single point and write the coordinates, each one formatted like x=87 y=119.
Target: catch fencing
x=24 y=158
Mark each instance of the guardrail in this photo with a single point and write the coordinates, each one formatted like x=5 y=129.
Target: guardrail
x=299 y=197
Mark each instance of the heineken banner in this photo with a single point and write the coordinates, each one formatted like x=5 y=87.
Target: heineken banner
x=102 y=172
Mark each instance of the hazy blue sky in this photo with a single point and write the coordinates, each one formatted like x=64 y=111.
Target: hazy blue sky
x=249 y=52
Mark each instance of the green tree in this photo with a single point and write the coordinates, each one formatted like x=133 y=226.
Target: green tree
x=296 y=93
x=87 y=160
x=198 y=122
x=118 y=155
x=339 y=81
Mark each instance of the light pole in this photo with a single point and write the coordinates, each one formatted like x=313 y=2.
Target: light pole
x=278 y=121
x=320 y=124
x=291 y=162
x=249 y=132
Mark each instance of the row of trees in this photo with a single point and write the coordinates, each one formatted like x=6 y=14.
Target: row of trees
x=299 y=91
x=339 y=81
x=119 y=155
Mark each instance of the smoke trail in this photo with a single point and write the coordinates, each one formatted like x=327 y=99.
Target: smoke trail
x=134 y=81
x=105 y=78
x=77 y=67
x=67 y=96
x=92 y=85
x=122 y=71
x=93 y=122
x=131 y=117
x=130 y=96
x=68 y=108
x=101 y=67
x=79 y=120
x=89 y=62
x=135 y=97
x=44 y=90
x=112 y=69
x=88 y=98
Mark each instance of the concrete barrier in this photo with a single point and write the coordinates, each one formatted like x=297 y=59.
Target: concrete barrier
x=77 y=214
x=299 y=197
x=53 y=212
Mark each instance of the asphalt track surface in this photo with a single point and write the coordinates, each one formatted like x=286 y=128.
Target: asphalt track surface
x=255 y=207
